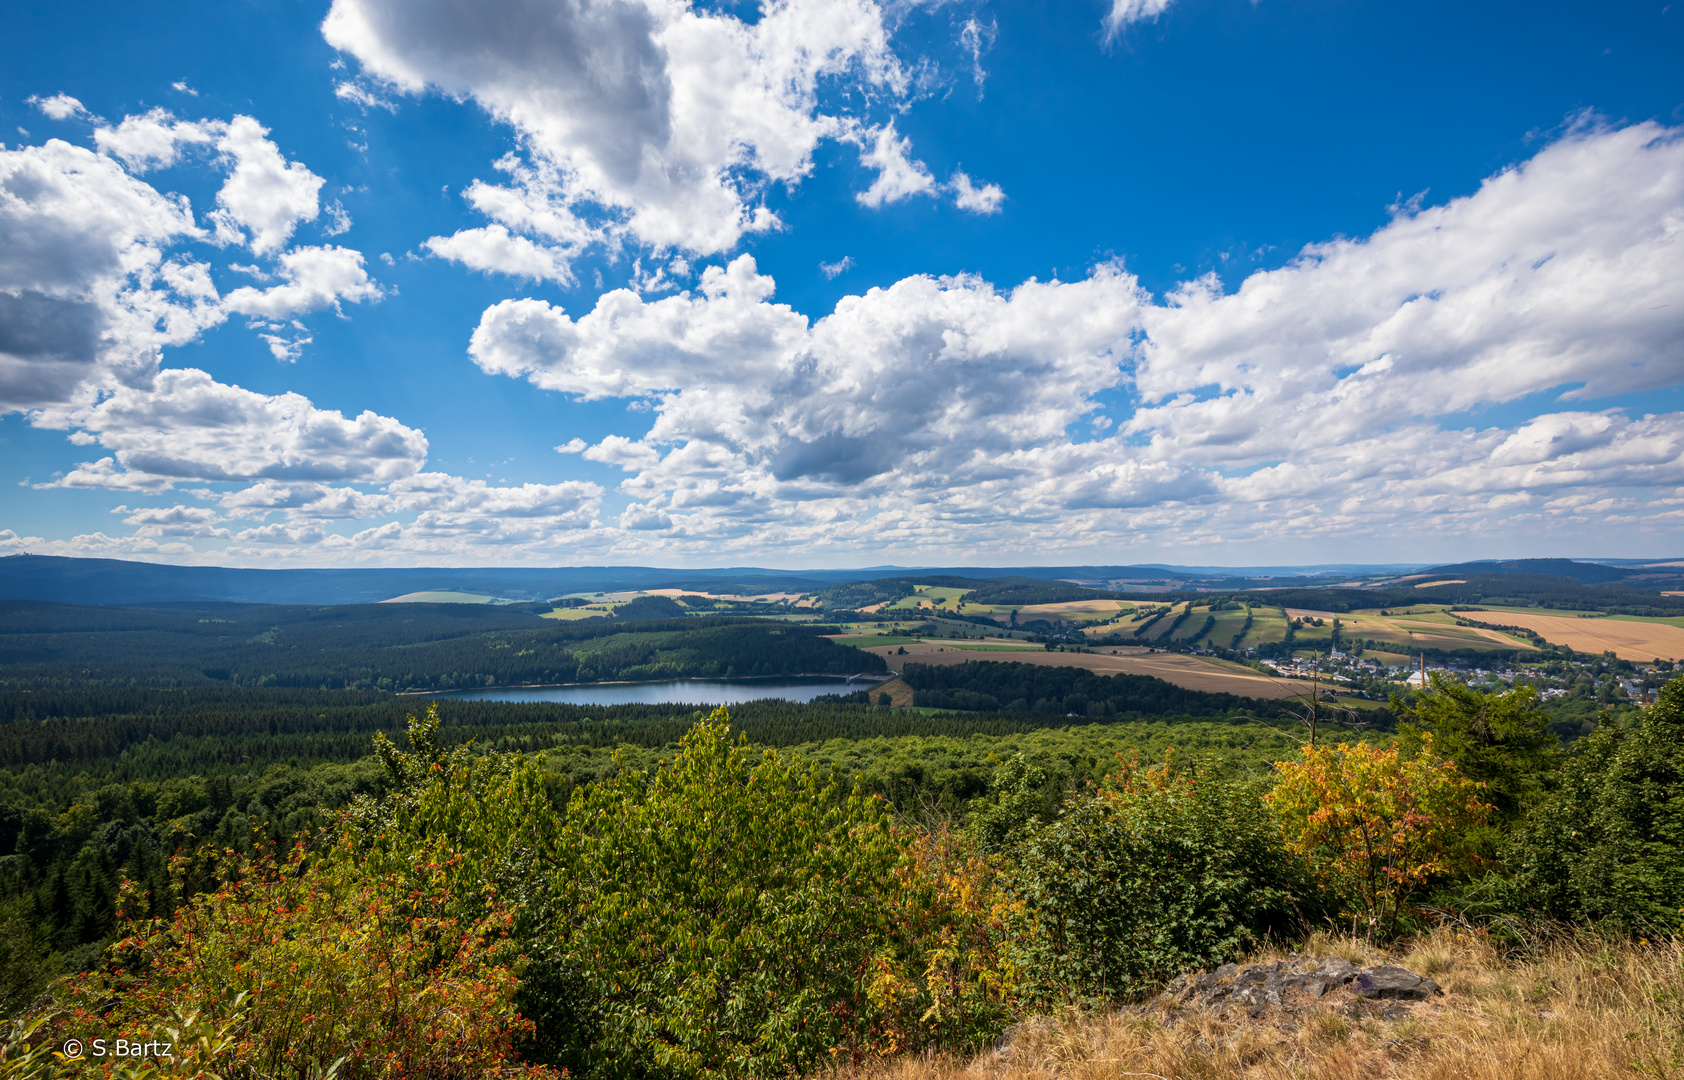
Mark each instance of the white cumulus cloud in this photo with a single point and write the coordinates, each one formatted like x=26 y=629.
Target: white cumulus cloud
x=1345 y=387
x=653 y=120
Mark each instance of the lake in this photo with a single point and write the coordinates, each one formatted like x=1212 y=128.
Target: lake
x=669 y=692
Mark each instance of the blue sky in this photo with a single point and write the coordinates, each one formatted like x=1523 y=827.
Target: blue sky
x=841 y=282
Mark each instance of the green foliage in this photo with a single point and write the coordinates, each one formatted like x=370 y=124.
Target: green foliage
x=1162 y=870
x=651 y=607
x=1021 y=592
x=1607 y=846
x=1034 y=688
x=725 y=914
x=1501 y=739
x=858 y=594
x=1021 y=796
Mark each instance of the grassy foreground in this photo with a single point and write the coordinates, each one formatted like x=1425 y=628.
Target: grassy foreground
x=1570 y=1008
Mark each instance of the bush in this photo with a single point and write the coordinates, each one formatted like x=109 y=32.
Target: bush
x=728 y=915
x=724 y=914
x=1377 y=827
x=1608 y=845
x=1161 y=870
x=308 y=967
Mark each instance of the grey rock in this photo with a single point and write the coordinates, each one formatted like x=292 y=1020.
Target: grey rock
x=1388 y=983
x=1257 y=988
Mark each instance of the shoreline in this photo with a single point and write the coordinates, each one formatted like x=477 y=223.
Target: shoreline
x=842 y=679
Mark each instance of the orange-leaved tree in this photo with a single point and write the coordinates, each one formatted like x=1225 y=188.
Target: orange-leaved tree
x=310 y=966
x=1377 y=826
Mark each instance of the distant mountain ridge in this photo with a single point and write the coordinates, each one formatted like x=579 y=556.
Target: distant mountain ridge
x=116 y=581
x=1584 y=572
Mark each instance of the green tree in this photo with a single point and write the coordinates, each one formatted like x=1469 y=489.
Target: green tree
x=1500 y=739
x=1160 y=870
x=1608 y=844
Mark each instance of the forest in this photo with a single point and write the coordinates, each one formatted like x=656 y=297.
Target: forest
x=216 y=820
x=391 y=647
x=1020 y=688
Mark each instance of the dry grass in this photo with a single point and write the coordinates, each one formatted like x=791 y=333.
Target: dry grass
x=1627 y=640
x=1572 y=1010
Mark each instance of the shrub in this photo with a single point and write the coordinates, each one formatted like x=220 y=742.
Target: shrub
x=1608 y=844
x=305 y=967
x=1159 y=871
x=1377 y=826
x=728 y=915
x=724 y=914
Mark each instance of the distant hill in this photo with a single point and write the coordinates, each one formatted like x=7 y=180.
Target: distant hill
x=117 y=581
x=1585 y=573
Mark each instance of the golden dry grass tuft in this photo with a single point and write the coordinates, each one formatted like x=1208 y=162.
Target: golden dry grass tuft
x=1573 y=1009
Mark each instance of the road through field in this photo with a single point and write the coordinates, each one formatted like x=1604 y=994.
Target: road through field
x=1628 y=640
x=1190 y=672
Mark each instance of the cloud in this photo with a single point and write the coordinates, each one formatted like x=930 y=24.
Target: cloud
x=357 y=94
x=314 y=278
x=978 y=200
x=1345 y=387
x=841 y=266
x=1564 y=270
x=621 y=451
x=341 y=223
x=572 y=446
x=59 y=106
x=644 y=519
x=89 y=288
x=494 y=248
x=976 y=39
x=899 y=177
x=184 y=521
x=187 y=426
x=1124 y=12
x=925 y=389
x=264 y=193
x=86 y=292
x=153 y=140
x=643 y=119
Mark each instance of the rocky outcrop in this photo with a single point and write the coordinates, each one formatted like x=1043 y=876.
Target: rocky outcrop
x=1296 y=982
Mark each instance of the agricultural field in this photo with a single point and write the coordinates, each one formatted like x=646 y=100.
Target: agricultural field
x=1188 y=672
x=936 y=600
x=1629 y=638
x=1422 y=627
x=574 y=614
x=931 y=598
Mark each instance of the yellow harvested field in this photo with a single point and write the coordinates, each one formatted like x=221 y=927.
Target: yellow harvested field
x=1446 y=581
x=1190 y=672
x=1626 y=639
x=1073 y=609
